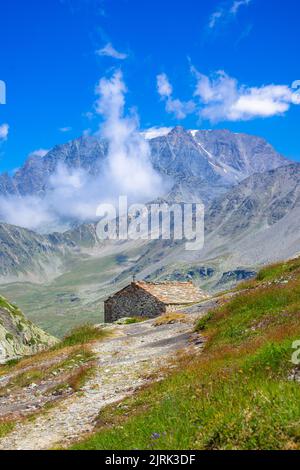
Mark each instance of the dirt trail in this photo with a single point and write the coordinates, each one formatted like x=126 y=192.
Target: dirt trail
x=124 y=364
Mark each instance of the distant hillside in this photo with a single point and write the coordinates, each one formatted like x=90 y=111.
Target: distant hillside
x=26 y=255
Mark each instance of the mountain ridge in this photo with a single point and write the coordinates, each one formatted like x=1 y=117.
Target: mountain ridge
x=180 y=155
x=255 y=205
x=60 y=277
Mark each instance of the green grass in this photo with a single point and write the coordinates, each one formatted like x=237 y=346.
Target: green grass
x=70 y=364
x=82 y=335
x=243 y=317
x=6 y=428
x=203 y=322
x=75 y=343
x=132 y=320
x=236 y=395
x=271 y=273
x=277 y=270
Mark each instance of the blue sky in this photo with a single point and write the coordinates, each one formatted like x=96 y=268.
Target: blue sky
x=54 y=52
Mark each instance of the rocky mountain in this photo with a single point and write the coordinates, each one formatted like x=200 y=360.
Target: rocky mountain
x=254 y=223
x=257 y=221
x=236 y=156
x=199 y=163
x=208 y=162
x=261 y=200
x=261 y=208
x=33 y=177
x=252 y=208
x=18 y=336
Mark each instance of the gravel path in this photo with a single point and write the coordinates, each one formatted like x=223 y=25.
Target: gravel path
x=124 y=365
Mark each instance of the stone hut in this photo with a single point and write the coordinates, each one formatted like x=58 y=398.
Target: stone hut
x=151 y=299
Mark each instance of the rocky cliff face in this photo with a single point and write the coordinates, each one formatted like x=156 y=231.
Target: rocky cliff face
x=18 y=336
x=207 y=163
x=198 y=163
x=259 y=201
x=236 y=156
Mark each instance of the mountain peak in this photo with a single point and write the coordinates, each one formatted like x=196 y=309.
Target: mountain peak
x=178 y=130
x=204 y=163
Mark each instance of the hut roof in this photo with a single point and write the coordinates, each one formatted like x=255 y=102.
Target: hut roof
x=173 y=292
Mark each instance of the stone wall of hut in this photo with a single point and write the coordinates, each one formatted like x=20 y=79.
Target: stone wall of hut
x=132 y=302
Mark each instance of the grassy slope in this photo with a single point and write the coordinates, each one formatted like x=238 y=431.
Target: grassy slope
x=237 y=394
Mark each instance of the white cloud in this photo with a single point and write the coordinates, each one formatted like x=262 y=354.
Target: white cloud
x=71 y=194
x=180 y=109
x=226 y=13
x=237 y=5
x=154 y=132
x=39 y=153
x=129 y=170
x=75 y=194
x=215 y=17
x=88 y=115
x=4 y=130
x=65 y=129
x=164 y=87
x=28 y=212
x=222 y=98
x=109 y=51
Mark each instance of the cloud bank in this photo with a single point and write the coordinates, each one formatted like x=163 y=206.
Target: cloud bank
x=74 y=194
x=154 y=132
x=222 y=98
